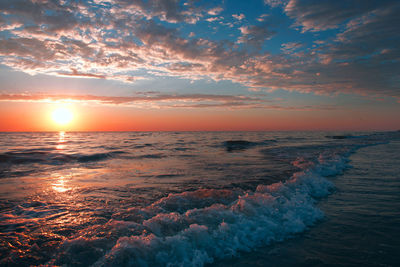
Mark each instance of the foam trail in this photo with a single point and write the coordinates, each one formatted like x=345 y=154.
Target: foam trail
x=195 y=228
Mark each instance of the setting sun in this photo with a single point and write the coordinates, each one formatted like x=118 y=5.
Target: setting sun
x=62 y=116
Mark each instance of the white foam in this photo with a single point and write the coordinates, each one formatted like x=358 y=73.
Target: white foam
x=195 y=228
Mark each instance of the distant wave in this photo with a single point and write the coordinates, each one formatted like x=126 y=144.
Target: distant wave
x=150 y=156
x=55 y=158
x=237 y=145
x=345 y=136
x=97 y=156
x=49 y=157
x=23 y=157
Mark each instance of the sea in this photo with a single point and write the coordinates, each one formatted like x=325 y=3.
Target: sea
x=200 y=199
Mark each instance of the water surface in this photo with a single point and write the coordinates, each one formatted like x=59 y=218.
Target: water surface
x=184 y=198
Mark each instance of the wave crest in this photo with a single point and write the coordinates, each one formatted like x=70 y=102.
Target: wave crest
x=195 y=228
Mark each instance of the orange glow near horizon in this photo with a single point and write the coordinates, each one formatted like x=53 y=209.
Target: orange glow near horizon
x=20 y=117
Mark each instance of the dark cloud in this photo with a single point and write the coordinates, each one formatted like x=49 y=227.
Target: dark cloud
x=256 y=35
x=317 y=15
x=51 y=16
x=172 y=11
x=367 y=52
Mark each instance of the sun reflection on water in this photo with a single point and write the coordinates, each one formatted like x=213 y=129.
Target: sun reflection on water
x=61 y=141
x=59 y=185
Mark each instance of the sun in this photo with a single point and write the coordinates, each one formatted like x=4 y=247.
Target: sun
x=62 y=116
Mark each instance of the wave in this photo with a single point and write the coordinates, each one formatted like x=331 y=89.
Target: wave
x=98 y=156
x=233 y=145
x=237 y=145
x=195 y=228
x=150 y=156
x=345 y=136
x=49 y=157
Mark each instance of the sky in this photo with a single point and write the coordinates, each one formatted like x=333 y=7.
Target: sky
x=170 y=65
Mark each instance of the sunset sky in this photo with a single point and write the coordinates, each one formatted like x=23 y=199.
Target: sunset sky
x=122 y=65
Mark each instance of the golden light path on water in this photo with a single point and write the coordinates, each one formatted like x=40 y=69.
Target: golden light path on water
x=61 y=141
x=59 y=185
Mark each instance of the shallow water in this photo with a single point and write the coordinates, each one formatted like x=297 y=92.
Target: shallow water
x=146 y=199
x=361 y=226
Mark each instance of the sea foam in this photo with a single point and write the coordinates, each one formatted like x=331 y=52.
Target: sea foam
x=196 y=228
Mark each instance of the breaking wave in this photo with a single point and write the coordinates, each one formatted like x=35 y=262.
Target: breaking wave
x=195 y=228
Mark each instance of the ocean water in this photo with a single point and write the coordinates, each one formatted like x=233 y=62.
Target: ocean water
x=200 y=199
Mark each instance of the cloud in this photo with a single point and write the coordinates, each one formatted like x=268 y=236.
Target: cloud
x=172 y=11
x=290 y=47
x=275 y=3
x=212 y=19
x=239 y=17
x=62 y=16
x=142 y=97
x=262 y=17
x=168 y=10
x=116 y=39
x=155 y=100
x=255 y=35
x=215 y=11
x=318 y=15
x=367 y=52
x=75 y=73
x=23 y=47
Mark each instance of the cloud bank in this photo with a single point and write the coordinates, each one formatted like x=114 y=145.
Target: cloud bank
x=357 y=48
x=157 y=100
